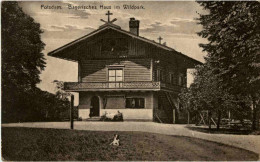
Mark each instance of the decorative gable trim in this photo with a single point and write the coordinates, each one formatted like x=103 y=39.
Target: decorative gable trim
x=108 y=26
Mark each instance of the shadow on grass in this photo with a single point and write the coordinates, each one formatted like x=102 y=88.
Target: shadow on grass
x=223 y=130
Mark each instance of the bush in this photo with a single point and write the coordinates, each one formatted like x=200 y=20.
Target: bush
x=34 y=106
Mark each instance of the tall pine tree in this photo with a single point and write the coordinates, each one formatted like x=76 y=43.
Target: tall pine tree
x=233 y=32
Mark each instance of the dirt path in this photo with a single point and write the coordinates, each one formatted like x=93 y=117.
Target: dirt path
x=249 y=142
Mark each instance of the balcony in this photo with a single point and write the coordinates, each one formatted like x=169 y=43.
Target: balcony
x=119 y=86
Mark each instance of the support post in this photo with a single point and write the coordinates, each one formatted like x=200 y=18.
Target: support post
x=188 y=117
x=209 y=119
x=79 y=71
x=229 y=117
x=174 y=122
x=71 y=111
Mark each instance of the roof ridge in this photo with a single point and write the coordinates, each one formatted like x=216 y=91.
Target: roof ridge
x=118 y=28
x=109 y=24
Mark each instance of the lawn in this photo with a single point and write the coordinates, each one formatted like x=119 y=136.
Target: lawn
x=55 y=144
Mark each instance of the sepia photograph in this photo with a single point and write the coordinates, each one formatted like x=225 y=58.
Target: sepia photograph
x=130 y=80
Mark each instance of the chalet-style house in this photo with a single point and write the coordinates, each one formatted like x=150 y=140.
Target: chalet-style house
x=120 y=70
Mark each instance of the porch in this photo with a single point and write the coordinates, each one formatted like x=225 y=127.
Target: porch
x=128 y=114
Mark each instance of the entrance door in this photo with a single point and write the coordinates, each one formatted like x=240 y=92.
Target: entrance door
x=94 y=110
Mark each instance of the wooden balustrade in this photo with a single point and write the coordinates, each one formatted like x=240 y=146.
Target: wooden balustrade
x=142 y=85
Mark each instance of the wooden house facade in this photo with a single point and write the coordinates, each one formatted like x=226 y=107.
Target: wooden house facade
x=120 y=71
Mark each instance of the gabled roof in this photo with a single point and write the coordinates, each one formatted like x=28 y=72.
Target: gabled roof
x=107 y=26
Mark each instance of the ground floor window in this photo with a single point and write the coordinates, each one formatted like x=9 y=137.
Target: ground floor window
x=135 y=102
x=114 y=102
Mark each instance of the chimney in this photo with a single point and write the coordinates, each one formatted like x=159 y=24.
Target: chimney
x=134 y=26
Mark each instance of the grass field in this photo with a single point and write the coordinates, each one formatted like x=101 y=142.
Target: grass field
x=54 y=144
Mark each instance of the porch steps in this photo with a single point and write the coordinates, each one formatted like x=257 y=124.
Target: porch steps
x=96 y=118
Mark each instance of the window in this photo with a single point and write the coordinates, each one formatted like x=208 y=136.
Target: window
x=115 y=76
x=181 y=80
x=114 y=102
x=135 y=103
x=162 y=77
x=158 y=75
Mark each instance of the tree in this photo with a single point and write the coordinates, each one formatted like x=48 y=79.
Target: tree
x=60 y=93
x=206 y=94
x=232 y=29
x=22 y=58
x=64 y=96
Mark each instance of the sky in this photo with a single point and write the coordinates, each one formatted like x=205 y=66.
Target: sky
x=174 y=21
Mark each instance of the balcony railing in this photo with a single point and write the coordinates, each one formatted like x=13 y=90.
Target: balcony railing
x=142 y=85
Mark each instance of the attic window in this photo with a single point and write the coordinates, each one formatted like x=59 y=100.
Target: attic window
x=114 y=45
